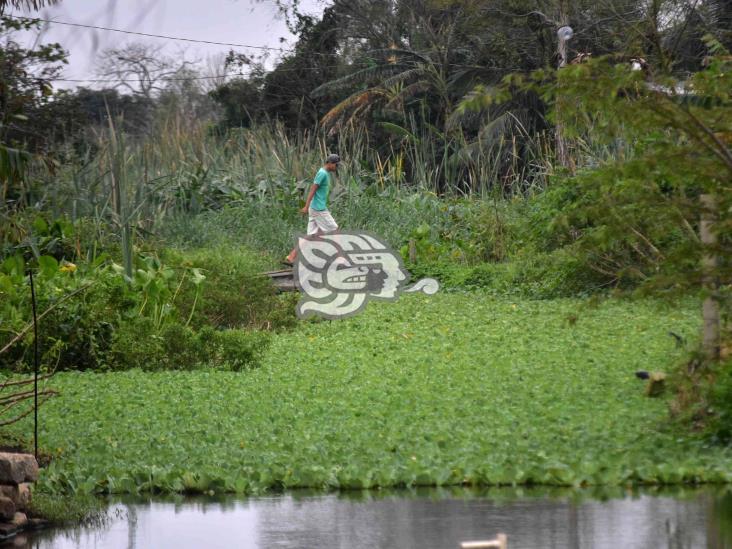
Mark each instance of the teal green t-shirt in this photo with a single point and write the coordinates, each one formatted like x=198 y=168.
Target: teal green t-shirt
x=320 y=198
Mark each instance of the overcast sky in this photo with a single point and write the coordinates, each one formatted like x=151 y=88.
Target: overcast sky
x=232 y=21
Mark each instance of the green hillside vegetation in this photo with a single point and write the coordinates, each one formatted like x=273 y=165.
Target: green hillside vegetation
x=572 y=199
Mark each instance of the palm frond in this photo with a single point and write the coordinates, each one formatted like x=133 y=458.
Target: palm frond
x=407 y=92
x=478 y=99
x=401 y=52
x=403 y=76
x=359 y=112
x=358 y=77
x=473 y=107
x=399 y=130
x=463 y=118
x=466 y=76
x=492 y=134
x=353 y=102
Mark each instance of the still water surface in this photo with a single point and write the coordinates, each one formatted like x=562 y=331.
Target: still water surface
x=429 y=519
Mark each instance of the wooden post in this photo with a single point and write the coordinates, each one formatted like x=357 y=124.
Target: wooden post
x=412 y=251
x=710 y=307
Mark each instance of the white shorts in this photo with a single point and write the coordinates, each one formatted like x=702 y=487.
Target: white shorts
x=320 y=221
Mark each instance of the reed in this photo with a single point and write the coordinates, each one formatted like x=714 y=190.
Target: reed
x=184 y=169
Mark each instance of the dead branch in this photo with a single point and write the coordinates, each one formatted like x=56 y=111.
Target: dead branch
x=18 y=418
x=20 y=396
x=23 y=381
x=12 y=403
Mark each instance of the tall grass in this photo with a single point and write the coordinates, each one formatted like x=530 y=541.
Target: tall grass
x=130 y=187
x=392 y=214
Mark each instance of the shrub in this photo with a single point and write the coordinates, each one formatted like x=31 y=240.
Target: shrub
x=560 y=273
x=238 y=349
x=496 y=230
x=540 y=276
x=98 y=318
x=176 y=347
x=235 y=294
x=182 y=348
x=136 y=344
x=76 y=333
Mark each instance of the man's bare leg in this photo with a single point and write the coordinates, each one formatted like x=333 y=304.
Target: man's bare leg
x=293 y=254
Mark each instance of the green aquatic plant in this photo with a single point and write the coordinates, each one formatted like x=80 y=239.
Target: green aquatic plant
x=456 y=388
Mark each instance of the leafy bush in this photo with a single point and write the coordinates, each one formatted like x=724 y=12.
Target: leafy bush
x=81 y=306
x=238 y=349
x=96 y=317
x=135 y=344
x=181 y=348
x=235 y=294
x=626 y=230
x=541 y=276
x=497 y=230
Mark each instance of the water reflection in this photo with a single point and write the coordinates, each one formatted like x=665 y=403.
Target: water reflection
x=424 y=519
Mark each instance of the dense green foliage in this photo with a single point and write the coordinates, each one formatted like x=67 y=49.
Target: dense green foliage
x=148 y=218
x=455 y=388
x=395 y=71
x=641 y=221
x=186 y=311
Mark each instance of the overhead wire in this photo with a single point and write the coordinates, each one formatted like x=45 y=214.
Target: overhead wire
x=183 y=79
x=147 y=34
x=178 y=38
x=161 y=36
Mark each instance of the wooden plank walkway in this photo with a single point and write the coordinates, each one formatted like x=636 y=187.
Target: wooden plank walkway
x=283 y=280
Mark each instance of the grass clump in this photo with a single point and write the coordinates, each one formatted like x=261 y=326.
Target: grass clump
x=67 y=510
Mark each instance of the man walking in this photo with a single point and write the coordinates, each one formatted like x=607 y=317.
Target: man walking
x=316 y=205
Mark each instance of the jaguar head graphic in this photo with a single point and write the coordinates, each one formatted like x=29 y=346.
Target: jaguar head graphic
x=338 y=273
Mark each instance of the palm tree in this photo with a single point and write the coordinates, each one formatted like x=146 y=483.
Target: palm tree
x=400 y=76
